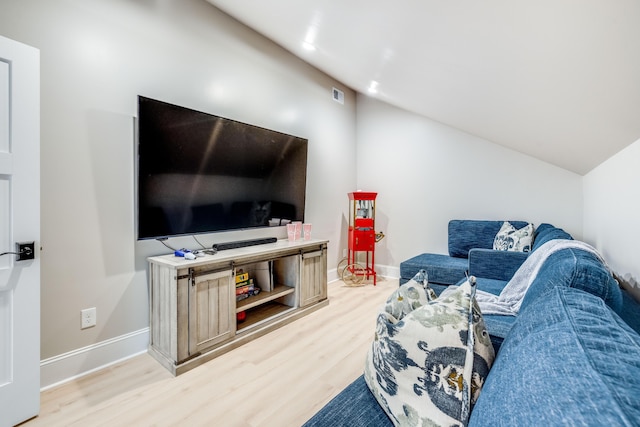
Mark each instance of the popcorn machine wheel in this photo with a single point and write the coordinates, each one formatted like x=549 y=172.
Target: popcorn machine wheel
x=360 y=260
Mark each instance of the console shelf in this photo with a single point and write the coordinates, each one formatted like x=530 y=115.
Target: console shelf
x=262 y=313
x=264 y=296
x=193 y=304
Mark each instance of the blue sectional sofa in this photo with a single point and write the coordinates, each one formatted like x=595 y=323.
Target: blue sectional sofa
x=569 y=361
x=471 y=242
x=571 y=356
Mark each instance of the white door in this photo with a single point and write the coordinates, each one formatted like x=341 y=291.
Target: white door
x=19 y=222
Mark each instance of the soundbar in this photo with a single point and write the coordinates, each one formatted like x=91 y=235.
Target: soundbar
x=243 y=243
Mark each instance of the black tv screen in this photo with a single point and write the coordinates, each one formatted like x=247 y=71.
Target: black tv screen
x=201 y=173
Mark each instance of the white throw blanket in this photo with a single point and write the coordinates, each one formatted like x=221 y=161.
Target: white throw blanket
x=510 y=299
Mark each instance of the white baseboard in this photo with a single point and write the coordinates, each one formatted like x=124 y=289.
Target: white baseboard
x=332 y=275
x=388 y=271
x=77 y=363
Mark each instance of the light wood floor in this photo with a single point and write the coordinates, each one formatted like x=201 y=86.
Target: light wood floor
x=280 y=379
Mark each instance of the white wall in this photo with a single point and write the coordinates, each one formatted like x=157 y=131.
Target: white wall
x=427 y=173
x=96 y=57
x=612 y=213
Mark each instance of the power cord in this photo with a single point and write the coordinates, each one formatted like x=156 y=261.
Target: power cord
x=205 y=250
x=163 y=242
x=198 y=241
x=25 y=251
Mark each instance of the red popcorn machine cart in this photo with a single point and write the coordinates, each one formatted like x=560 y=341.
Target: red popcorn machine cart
x=362 y=239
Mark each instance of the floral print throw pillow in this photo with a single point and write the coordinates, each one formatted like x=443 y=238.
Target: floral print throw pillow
x=427 y=369
x=510 y=239
x=413 y=294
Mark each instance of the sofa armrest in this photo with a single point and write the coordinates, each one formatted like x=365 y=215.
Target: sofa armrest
x=491 y=264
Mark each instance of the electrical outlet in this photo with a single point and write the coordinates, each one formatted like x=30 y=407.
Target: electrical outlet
x=25 y=250
x=87 y=318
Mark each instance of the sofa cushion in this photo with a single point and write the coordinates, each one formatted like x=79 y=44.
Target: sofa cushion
x=355 y=406
x=491 y=264
x=466 y=234
x=491 y=286
x=578 y=362
x=575 y=268
x=498 y=327
x=512 y=239
x=545 y=232
x=441 y=269
x=430 y=365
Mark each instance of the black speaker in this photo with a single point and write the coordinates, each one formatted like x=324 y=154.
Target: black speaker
x=243 y=243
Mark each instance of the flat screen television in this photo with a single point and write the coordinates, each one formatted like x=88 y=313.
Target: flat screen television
x=201 y=173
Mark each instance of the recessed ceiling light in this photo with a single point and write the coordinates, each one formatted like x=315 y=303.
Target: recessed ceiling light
x=308 y=46
x=373 y=87
x=309 y=42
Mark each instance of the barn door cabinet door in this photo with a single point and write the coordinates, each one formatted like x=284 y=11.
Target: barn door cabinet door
x=313 y=277
x=211 y=310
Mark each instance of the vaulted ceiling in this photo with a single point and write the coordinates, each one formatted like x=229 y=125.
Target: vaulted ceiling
x=558 y=80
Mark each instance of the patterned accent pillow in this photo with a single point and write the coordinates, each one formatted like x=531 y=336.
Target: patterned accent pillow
x=413 y=294
x=510 y=239
x=429 y=367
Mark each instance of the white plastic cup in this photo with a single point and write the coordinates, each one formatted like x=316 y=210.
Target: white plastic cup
x=291 y=232
x=298 y=225
x=307 y=231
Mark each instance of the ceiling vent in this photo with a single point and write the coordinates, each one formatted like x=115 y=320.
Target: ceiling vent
x=338 y=95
